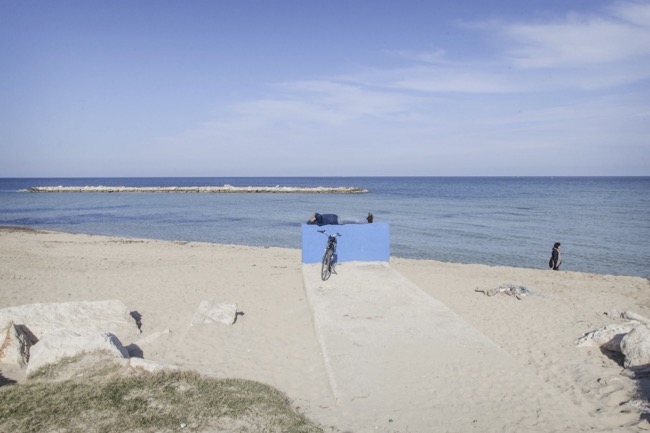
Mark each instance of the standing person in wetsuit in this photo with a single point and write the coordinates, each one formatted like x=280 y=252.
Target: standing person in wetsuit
x=556 y=259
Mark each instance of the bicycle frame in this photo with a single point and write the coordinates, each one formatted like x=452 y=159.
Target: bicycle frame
x=329 y=256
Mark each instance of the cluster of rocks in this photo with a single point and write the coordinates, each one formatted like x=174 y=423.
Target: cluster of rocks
x=202 y=189
x=630 y=338
x=36 y=335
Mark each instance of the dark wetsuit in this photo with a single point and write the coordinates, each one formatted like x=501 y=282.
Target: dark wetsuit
x=555 y=259
x=325 y=219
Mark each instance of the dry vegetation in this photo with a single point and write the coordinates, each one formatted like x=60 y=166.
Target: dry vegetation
x=94 y=394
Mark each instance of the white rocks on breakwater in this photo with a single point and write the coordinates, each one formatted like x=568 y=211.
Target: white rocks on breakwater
x=202 y=189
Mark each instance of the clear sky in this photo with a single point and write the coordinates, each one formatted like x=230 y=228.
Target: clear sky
x=324 y=88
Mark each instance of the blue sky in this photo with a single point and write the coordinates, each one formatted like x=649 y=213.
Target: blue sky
x=324 y=88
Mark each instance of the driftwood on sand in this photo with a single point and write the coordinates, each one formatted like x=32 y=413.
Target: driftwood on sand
x=518 y=292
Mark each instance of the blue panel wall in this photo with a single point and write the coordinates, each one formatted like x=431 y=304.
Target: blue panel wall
x=358 y=242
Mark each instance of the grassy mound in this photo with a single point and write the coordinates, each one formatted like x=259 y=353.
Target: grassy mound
x=104 y=397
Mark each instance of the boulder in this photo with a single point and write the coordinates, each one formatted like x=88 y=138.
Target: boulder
x=17 y=340
x=630 y=315
x=636 y=347
x=211 y=312
x=150 y=366
x=608 y=337
x=87 y=316
x=53 y=347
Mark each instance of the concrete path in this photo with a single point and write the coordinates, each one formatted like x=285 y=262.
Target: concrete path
x=398 y=360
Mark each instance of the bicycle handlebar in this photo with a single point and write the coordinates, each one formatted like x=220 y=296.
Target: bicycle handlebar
x=325 y=233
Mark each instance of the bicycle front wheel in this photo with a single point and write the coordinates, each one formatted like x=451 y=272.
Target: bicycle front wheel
x=326 y=269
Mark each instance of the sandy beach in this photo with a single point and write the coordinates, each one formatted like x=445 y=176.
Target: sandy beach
x=507 y=365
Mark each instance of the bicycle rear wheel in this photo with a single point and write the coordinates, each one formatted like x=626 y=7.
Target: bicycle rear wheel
x=326 y=269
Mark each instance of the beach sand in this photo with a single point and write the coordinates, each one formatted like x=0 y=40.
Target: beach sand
x=277 y=339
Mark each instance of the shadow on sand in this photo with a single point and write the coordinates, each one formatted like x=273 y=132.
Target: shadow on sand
x=4 y=381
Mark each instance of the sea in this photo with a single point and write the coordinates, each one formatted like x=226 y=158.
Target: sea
x=603 y=223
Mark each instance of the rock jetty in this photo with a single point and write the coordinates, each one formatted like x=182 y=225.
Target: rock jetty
x=203 y=189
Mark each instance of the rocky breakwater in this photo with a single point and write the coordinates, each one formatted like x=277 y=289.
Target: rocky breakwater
x=203 y=189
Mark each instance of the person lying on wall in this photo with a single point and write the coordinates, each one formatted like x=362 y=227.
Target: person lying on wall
x=333 y=219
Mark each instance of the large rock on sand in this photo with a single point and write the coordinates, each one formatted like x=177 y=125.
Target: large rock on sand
x=17 y=340
x=210 y=312
x=608 y=337
x=87 y=316
x=53 y=347
x=150 y=366
x=636 y=346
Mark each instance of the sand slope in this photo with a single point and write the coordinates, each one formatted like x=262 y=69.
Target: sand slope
x=541 y=331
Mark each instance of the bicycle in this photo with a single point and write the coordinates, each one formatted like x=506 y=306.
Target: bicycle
x=329 y=257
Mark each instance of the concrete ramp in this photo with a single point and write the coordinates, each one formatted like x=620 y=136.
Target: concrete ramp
x=398 y=360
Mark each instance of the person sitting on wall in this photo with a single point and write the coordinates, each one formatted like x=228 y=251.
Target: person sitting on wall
x=333 y=219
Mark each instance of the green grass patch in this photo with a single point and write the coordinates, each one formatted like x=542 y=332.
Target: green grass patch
x=105 y=397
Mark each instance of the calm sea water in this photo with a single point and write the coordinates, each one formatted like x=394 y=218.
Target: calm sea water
x=603 y=223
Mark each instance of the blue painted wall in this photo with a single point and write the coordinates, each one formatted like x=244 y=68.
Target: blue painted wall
x=358 y=242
